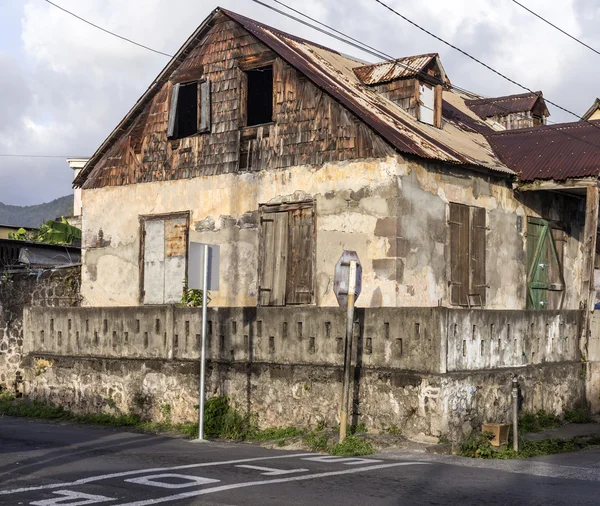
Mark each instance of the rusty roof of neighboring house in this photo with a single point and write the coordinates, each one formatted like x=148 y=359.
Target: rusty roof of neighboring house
x=557 y=152
x=399 y=68
x=501 y=106
x=334 y=73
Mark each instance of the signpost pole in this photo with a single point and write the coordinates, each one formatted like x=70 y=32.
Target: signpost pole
x=203 y=345
x=348 y=350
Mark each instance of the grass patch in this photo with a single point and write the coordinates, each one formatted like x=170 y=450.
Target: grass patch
x=536 y=422
x=578 y=415
x=352 y=447
x=478 y=445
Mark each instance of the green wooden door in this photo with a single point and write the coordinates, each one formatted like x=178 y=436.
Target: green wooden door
x=545 y=284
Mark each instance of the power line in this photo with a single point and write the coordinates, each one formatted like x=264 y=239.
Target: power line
x=108 y=31
x=382 y=55
x=557 y=27
x=8 y=155
x=478 y=61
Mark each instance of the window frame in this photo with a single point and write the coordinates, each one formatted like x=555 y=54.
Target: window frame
x=244 y=68
x=203 y=108
x=143 y=219
x=267 y=209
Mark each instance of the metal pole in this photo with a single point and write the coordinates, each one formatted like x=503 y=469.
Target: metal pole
x=203 y=345
x=348 y=350
x=515 y=405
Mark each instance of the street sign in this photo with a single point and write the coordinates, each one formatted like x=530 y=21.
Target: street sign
x=196 y=265
x=340 y=278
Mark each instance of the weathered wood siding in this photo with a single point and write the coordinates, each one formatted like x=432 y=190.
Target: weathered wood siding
x=404 y=92
x=309 y=127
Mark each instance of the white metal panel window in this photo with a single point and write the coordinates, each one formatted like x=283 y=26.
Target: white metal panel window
x=427 y=103
x=164 y=242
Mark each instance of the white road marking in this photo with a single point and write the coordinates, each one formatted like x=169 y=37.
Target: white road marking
x=101 y=477
x=223 y=488
x=68 y=496
x=349 y=461
x=153 y=481
x=273 y=472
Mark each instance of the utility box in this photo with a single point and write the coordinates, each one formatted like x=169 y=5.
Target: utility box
x=499 y=430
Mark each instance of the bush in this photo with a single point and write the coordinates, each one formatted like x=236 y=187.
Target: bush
x=536 y=422
x=352 y=446
x=577 y=416
x=478 y=445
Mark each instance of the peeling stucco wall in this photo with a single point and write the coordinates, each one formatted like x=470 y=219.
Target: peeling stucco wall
x=392 y=211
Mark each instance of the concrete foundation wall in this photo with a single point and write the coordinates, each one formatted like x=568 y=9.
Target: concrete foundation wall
x=392 y=211
x=285 y=364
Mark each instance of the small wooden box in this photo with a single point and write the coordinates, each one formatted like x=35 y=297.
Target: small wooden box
x=499 y=430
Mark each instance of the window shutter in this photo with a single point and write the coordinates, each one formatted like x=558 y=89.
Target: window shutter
x=459 y=253
x=477 y=257
x=273 y=263
x=172 y=126
x=204 y=105
x=300 y=262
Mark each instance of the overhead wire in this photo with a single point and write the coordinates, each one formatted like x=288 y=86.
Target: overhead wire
x=456 y=48
x=557 y=27
x=108 y=31
x=382 y=55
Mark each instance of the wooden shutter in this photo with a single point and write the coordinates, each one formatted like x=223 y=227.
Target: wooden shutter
x=273 y=260
x=477 y=282
x=172 y=126
x=204 y=106
x=459 y=254
x=300 y=261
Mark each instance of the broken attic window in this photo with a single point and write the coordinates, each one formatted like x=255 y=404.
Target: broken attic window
x=259 y=99
x=190 y=109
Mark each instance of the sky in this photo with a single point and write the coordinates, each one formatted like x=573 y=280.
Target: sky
x=65 y=85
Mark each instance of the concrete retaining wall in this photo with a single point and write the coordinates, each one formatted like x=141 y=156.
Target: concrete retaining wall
x=285 y=363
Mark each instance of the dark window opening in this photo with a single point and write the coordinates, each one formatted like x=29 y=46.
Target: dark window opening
x=187 y=110
x=259 y=100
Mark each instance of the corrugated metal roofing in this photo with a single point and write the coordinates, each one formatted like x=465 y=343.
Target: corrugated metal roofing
x=557 y=152
x=501 y=106
x=389 y=70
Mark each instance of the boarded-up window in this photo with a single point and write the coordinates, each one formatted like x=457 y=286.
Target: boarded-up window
x=286 y=267
x=545 y=250
x=467 y=255
x=189 y=112
x=164 y=262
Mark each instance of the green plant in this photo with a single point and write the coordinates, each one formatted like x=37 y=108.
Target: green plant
x=352 y=446
x=165 y=411
x=359 y=428
x=577 y=415
x=443 y=439
x=478 y=445
x=215 y=410
x=317 y=440
x=536 y=422
x=191 y=297
x=392 y=429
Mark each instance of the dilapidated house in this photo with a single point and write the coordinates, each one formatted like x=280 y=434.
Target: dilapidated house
x=467 y=215
x=285 y=153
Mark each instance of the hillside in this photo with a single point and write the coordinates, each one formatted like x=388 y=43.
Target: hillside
x=34 y=216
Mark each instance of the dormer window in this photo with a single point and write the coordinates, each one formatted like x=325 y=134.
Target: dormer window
x=414 y=84
x=189 y=112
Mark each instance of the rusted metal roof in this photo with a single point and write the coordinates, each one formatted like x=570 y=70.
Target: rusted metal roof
x=334 y=73
x=386 y=71
x=501 y=106
x=557 y=152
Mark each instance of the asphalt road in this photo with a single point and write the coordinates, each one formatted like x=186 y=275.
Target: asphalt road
x=45 y=464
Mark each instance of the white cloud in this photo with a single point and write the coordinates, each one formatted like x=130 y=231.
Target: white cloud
x=70 y=83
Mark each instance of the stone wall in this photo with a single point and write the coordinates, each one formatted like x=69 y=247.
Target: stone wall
x=285 y=363
x=58 y=288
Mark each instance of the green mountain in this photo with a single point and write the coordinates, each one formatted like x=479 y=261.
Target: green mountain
x=34 y=216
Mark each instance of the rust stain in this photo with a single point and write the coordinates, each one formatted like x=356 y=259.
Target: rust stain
x=175 y=238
